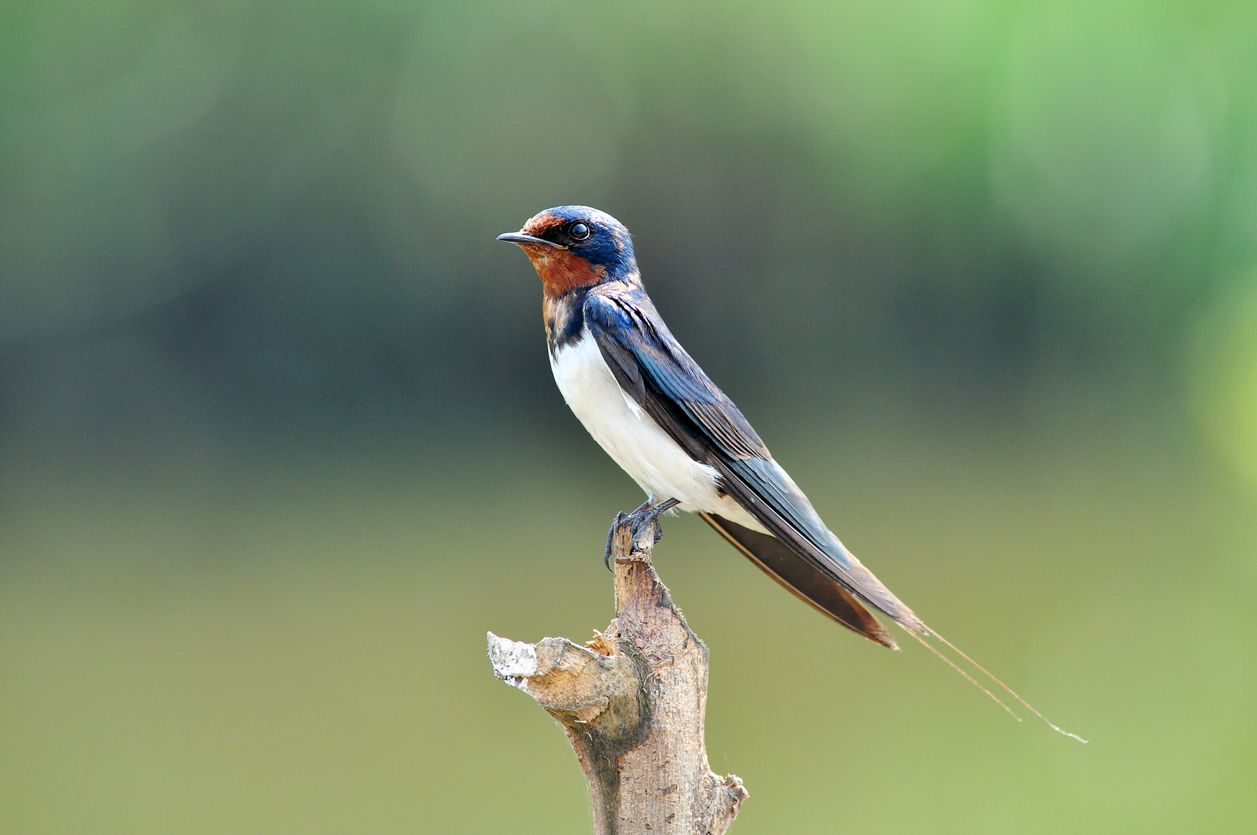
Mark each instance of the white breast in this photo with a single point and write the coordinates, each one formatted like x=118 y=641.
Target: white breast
x=632 y=438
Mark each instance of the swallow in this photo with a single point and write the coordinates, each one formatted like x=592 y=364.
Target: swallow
x=651 y=407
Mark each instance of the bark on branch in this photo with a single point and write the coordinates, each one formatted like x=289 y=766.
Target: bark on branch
x=632 y=702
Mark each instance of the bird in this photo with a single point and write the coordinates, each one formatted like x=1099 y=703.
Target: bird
x=658 y=415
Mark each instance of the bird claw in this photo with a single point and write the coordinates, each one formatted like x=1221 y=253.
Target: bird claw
x=644 y=515
x=645 y=522
x=620 y=519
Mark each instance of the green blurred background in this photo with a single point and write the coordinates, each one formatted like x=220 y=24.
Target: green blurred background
x=279 y=443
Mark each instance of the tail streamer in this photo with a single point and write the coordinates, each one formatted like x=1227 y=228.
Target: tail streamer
x=930 y=632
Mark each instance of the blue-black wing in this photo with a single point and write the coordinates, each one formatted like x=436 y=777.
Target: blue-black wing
x=653 y=368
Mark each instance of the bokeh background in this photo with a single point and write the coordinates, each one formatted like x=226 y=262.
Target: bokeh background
x=279 y=443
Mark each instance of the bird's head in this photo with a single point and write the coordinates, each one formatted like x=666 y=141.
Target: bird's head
x=575 y=246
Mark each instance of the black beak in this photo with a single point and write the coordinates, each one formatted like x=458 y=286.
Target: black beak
x=521 y=238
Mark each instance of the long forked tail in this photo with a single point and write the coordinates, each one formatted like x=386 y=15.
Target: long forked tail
x=874 y=592
x=819 y=585
x=922 y=635
x=805 y=581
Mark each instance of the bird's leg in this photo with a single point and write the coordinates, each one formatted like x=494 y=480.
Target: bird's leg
x=620 y=519
x=642 y=517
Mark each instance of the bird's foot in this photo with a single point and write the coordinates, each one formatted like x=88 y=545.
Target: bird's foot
x=615 y=526
x=618 y=522
x=649 y=517
x=645 y=515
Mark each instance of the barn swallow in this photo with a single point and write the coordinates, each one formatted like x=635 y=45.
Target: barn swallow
x=651 y=407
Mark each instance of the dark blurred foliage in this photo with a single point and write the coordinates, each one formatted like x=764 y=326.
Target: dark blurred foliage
x=274 y=224
x=989 y=268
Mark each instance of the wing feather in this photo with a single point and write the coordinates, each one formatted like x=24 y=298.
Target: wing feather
x=653 y=369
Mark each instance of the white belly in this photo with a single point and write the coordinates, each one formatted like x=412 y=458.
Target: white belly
x=632 y=438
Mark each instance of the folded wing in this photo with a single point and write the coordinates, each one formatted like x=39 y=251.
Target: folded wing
x=653 y=369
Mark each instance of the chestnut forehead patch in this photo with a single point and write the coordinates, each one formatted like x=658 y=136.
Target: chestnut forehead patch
x=603 y=244
x=538 y=224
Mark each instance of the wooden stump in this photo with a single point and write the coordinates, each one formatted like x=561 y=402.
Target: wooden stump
x=632 y=702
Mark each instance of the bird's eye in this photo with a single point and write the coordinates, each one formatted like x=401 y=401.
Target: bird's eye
x=579 y=231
